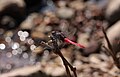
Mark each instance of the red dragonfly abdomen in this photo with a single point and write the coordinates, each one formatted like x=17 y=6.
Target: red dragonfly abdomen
x=74 y=43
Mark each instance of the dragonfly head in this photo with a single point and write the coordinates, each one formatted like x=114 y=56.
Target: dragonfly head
x=58 y=35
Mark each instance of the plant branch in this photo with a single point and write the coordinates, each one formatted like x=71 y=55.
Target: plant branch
x=110 y=50
x=65 y=62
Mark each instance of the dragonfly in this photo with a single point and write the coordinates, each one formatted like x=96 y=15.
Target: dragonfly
x=60 y=36
x=67 y=33
x=55 y=37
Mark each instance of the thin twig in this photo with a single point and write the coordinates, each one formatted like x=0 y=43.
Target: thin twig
x=67 y=68
x=110 y=50
x=108 y=42
x=66 y=63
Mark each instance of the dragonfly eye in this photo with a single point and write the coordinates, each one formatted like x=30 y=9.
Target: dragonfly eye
x=58 y=35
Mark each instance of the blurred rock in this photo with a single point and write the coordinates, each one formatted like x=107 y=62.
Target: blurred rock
x=78 y=5
x=113 y=11
x=25 y=71
x=52 y=69
x=28 y=23
x=14 y=9
x=99 y=3
x=37 y=34
x=62 y=3
x=5 y=4
x=114 y=31
x=56 y=73
x=38 y=50
x=17 y=10
x=83 y=39
x=94 y=59
x=65 y=12
x=8 y=22
x=92 y=48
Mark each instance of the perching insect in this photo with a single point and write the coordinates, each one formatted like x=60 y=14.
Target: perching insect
x=60 y=36
x=57 y=37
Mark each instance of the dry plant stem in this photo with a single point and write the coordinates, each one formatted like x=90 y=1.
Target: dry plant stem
x=110 y=50
x=66 y=63
x=71 y=67
x=67 y=69
x=106 y=49
x=108 y=42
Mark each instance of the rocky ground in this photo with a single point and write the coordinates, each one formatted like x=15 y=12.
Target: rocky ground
x=25 y=24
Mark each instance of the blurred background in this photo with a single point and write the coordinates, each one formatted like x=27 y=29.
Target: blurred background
x=25 y=23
